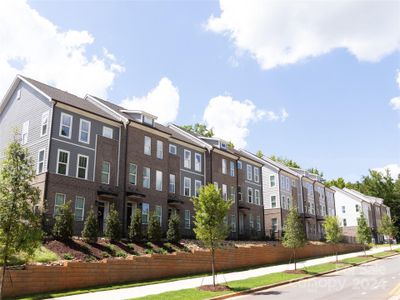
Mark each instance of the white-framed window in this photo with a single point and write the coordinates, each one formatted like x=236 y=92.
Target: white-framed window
x=82 y=166
x=160 y=150
x=256 y=174
x=224 y=192
x=187 y=219
x=84 y=131
x=172 y=149
x=216 y=185
x=105 y=172
x=344 y=222
x=132 y=174
x=197 y=162
x=44 y=123
x=233 y=194
x=197 y=186
x=258 y=222
x=25 y=133
x=158 y=213
x=274 y=224
x=145 y=213
x=146 y=177
x=224 y=166
x=66 y=125
x=40 y=161
x=239 y=193
x=250 y=195
x=159 y=180
x=108 y=132
x=58 y=202
x=147 y=145
x=232 y=168
x=171 y=188
x=62 y=162
x=273 y=201
x=233 y=223
x=187 y=156
x=272 y=180
x=239 y=165
x=357 y=208
x=249 y=172
x=257 y=197
x=147 y=120
x=343 y=209
x=251 y=221
x=79 y=208
x=187 y=186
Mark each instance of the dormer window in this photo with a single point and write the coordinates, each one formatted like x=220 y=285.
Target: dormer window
x=147 y=120
x=224 y=146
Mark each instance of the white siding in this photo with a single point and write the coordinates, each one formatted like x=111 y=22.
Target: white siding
x=269 y=191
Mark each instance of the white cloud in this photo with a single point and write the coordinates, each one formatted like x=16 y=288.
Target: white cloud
x=162 y=101
x=393 y=168
x=33 y=46
x=395 y=103
x=285 y=32
x=230 y=118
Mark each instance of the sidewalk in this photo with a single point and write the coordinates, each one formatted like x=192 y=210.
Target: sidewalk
x=141 y=291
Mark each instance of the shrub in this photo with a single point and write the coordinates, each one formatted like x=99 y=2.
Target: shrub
x=113 y=225
x=91 y=228
x=154 y=230
x=135 y=228
x=173 y=233
x=63 y=226
x=120 y=253
x=68 y=256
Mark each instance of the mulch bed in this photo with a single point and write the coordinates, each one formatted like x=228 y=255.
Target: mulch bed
x=216 y=288
x=295 y=272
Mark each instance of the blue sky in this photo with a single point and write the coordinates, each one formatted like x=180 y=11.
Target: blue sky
x=337 y=98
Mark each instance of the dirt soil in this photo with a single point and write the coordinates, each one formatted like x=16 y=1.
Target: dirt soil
x=217 y=288
x=295 y=272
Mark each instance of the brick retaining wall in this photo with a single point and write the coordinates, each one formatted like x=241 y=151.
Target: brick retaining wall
x=74 y=275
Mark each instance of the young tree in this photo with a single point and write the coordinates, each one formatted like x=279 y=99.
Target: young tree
x=90 y=230
x=210 y=210
x=173 y=233
x=259 y=154
x=154 y=229
x=333 y=232
x=294 y=236
x=387 y=228
x=287 y=162
x=135 y=228
x=363 y=232
x=64 y=221
x=200 y=129
x=113 y=225
x=20 y=227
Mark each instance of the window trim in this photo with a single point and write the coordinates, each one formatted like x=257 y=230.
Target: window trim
x=256 y=172
x=172 y=146
x=184 y=186
x=160 y=216
x=232 y=168
x=170 y=182
x=24 y=133
x=197 y=190
x=188 y=160
x=224 y=195
x=270 y=181
x=159 y=173
x=81 y=121
x=257 y=199
x=147 y=138
x=86 y=168
x=273 y=206
x=224 y=166
x=145 y=204
x=149 y=185
x=38 y=161
x=197 y=167
x=55 y=202
x=102 y=172
x=67 y=163
x=61 y=125
x=111 y=130
x=83 y=208
x=47 y=115
x=252 y=195
x=160 y=150
x=249 y=175
x=187 y=218
x=132 y=174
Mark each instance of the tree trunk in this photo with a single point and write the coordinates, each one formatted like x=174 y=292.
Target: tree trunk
x=365 y=253
x=212 y=265
x=390 y=244
x=294 y=257
x=3 y=275
x=336 y=253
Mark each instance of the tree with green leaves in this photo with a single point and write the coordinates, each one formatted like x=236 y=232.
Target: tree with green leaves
x=154 y=229
x=173 y=233
x=90 y=230
x=259 y=154
x=20 y=227
x=387 y=228
x=364 y=236
x=113 y=225
x=200 y=129
x=210 y=210
x=231 y=145
x=135 y=228
x=333 y=232
x=287 y=162
x=340 y=183
x=63 y=228
x=316 y=171
x=294 y=236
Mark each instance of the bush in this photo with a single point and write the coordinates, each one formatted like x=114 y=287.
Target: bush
x=113 y=225
x=135 y=228
x=68 y=256
x=173 y=233
x=154 y=230
x=64 y=220
x=91 y=228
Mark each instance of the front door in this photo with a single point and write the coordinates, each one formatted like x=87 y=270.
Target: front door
x=100 y=216
x=241 y=223
x=130 y=212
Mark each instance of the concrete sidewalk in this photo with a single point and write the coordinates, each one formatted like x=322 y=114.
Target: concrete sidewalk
x=141 y=291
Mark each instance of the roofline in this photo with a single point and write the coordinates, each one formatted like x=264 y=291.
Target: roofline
x=104 y=106
x=142 y=112
x=354 y=197
x=190 y=137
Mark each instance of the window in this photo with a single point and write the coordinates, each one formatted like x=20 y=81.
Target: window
x=239 y=192
x=250 y=195
x=187 y=182
x=40 y=162
x=62 y=162
x=65 y=125
x=216 y=185
x=224 y=166
x=249 y=172
x=233 y=194
x=79 y=208
x=147 y=120
x=132 y=174
x=258 y=221
x=343 y=209
x=158 y=213
x=172 y=149
x=197 y=186
x=233 y=223
x=272 y=180
x=108 y=132
x=145 y=213
x=171 y=183
x=232 y=169
x=357 y=208
x=147 y=145
x=187 y=155
x=105 y=172
x=187 y=219
x=158 y=180
x=44 y=123
x=197 y=162
x=274 y=224
x=24 y=133
x=257 y=197
x=19 y=94
x=224 y=192
x=81 y=171
x=239 y=164
x=251 y=221
x=146 y=177
x=84 y=131
x=160 y=150
x=59 y=201
x=344 y=222
x=273 y=201
x=256 y=174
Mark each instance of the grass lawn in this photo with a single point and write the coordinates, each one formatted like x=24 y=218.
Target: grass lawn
x=41 y=255
x=384 y=254
x=313 y=270
x=357 y=260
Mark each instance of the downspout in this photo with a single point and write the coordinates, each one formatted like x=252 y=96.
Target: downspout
x=124 y=202
x=236 y=198
x=315 y=209
x=304 y=205
x=280 y=203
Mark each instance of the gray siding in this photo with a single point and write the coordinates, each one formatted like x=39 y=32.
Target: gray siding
x=269 y=191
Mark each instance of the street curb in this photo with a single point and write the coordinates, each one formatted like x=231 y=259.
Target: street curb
x=269 y=286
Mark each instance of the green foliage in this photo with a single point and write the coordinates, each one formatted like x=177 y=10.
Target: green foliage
x=333 y=231
x=173 y=233
x=154 y=229
x=231 y=145
x=316 y=171
x=259 y=154
x=387 y=228
x=68 y=256
x=113 y=225
x=63 y=224
x=200 y=129
x=340 y=183
x=135 y=228
x=91 y=227
x=287 y=162
x=363 y=231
